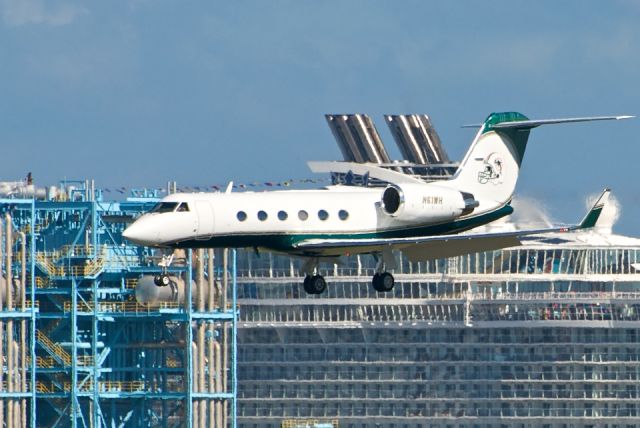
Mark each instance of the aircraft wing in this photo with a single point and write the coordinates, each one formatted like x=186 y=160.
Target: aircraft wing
x=435 y=247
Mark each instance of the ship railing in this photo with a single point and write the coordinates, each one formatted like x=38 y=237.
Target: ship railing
x=309 y=423
x=558 y=296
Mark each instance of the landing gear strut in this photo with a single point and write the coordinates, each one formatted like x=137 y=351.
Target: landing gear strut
x=314 y=284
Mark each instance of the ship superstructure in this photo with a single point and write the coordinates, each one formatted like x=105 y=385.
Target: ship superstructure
x=545 y=334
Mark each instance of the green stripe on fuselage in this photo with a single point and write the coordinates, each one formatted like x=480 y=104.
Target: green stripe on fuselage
x=286 y=242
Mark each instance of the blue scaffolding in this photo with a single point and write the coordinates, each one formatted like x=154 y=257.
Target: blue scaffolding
x=84 y=352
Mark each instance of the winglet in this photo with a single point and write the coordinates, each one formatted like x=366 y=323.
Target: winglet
x=593 y=215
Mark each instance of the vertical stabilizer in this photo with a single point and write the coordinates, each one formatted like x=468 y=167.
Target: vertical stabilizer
x=490 y=168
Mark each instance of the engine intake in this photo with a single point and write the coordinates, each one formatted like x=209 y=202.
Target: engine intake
x=392 y=199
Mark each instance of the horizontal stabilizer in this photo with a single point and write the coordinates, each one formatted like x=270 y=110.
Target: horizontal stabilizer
x=528 y=124
x=373 y=170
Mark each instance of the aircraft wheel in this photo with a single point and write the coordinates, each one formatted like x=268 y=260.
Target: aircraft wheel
x=383 y=282
x=161 y=280
x=314 y=284
x=307 y=284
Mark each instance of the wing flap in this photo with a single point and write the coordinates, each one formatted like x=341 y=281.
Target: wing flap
x=373 y=170
x=442 y=249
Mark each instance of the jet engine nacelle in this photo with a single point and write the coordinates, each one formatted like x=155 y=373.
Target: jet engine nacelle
x=426 y=203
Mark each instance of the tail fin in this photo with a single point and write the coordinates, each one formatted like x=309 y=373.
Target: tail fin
x=591 y=219
x=490 y=168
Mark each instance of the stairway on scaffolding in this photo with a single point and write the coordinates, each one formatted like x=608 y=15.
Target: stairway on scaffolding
x=59 y=353
x=49 y=262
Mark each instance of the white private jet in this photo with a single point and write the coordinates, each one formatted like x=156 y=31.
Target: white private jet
x=422 y=219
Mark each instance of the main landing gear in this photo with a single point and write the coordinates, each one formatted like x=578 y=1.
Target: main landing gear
x=383 y=282
x=313 y=283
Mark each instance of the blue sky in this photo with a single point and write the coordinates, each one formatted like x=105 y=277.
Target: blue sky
x=137 y=93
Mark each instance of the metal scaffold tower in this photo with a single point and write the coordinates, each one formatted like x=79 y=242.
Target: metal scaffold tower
x=87 y=338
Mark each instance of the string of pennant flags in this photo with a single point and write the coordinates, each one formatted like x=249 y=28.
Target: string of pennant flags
x=220 y=187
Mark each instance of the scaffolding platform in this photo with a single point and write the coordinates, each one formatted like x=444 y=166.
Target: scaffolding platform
x=80 y=351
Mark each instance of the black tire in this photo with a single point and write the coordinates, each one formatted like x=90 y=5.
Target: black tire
x=157 y=280
x=383 y=282
x=314 y=284
x=307 y=284
x=387 y=281
x=376 y=282
x=161 y=280
x=318 y=284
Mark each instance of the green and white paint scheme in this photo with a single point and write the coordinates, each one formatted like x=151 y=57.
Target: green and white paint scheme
x=422 y=219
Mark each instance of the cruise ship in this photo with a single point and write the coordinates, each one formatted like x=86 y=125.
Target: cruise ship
x=545 y=334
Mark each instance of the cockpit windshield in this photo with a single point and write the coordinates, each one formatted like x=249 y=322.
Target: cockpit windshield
x=168 y=207
x=164 y=207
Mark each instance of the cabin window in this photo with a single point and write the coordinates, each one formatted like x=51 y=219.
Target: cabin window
x=323 y=215
x=302 y=215
x=183 y=207
x=164 y=207
x=242 y=216
x=262 y=216
x=343 y=214
x=282 y=215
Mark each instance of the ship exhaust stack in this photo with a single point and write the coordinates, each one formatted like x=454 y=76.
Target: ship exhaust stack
x=417 y=139
x=357 y=138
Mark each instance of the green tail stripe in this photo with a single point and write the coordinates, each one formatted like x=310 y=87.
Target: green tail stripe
x=518 y=137
x=592 y=218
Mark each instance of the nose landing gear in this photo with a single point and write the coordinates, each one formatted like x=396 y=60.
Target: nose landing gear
x=162 y=279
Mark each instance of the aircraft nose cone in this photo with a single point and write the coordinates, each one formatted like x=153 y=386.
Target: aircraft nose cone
x=136 y=234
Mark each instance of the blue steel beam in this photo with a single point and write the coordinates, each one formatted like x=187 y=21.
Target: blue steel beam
x=74 y=355
x=234 y=340
x=189 y=351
